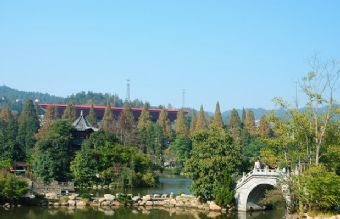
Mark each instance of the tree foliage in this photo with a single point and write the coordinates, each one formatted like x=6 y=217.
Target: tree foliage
x=201 y=121
x=53 y=153
x=217 y=120
x=212 y=152
x=28 y=125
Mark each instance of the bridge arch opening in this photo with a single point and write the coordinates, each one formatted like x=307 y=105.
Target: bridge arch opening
x=257 y=199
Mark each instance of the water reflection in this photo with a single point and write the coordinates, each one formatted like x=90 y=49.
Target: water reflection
x=129 y=213
x=168 y=184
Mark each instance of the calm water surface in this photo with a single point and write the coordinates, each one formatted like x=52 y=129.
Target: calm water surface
x=168 y=184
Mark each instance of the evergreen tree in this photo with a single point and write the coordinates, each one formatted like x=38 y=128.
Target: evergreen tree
x=244 y=114
x=52 y=154
x=201 y=121
x=159 y=143
x=217 y=120
x=144 y=120
x=212 y=151
x=145 y=129
x=127 y=126
x=164 y=123
x=107 y=123
x=181 y=148
x=234 y=126
x=193 y=122
x=181 y=124
x=234 y=120
x=9 y=148
x=264 y=129
x=249 y=123
x=92 y=117
x=70 y=113
x=28 y=125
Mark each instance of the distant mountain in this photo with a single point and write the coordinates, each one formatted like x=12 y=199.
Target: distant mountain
x=14 y=98
x=10 y=94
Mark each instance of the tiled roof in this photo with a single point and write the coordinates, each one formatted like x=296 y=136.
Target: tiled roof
x=81 y=124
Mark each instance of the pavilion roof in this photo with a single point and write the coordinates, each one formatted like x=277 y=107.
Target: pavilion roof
x=81 y=124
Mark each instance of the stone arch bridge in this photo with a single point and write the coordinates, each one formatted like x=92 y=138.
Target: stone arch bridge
x=251 y=185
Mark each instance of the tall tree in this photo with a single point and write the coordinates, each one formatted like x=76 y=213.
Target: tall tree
x=92 y=117
x=234 y=126
x=127 y=126
x=144 y=120
x=164 y=123
x=244 y=114
x=159 y=144
x=28 y=125
x=234 y=120
x=47 y=121
x=52 y=155
x=264 y=130
x=212 y=151
x=201 y=121
x=217 y=120
x=249 y=123
x=107 y=123
x=9 y=148
x=319 y=87
x=145 y=129
x=193 y=122
x=5 y=114
x=70 y=113
x=181 y=124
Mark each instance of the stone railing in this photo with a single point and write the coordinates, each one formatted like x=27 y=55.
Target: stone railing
x=259 y=172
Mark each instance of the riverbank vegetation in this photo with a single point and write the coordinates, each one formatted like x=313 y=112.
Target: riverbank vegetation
x=303 y=139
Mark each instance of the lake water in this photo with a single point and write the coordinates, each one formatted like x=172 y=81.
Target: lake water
x=168 y=184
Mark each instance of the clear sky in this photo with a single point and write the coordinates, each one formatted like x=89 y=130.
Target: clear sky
x=241 y=53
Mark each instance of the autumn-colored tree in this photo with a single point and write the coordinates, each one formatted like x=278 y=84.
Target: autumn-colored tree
x=201 y=121
x=249 y=123
x=127 y=127
x=164 y=123
x=264 y=130
x=47 y=121
x=234 y=126
x=5 y=114
x=92 y=117
x=217 y=119
x=193 y=122
x=107 y=123
x=181 y=124
x=70 y=113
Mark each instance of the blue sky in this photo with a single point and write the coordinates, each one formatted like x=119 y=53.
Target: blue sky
x=241 y=53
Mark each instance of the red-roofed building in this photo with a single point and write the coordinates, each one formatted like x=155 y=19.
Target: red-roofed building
x=172 y=114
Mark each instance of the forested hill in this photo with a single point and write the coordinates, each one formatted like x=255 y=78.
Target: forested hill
x=14 y=98
x=12 y=94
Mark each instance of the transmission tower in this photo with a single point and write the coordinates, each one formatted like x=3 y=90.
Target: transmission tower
x=183 y=98
x=128 y=90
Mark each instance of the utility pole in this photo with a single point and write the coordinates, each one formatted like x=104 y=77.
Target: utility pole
x=128 y=90
x=296 y=96
x=183 y=98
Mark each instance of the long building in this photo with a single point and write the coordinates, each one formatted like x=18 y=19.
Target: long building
x=154 y=112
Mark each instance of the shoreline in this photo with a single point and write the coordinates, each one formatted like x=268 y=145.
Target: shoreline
x=155 y=201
